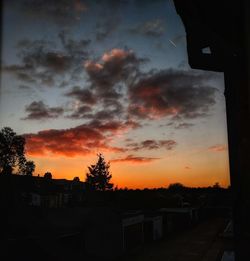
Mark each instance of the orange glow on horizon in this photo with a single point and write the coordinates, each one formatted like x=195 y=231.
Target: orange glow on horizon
x=155 y=174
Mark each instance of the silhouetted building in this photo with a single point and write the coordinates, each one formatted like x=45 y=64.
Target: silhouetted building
x=175 y=219
x=41 y=192
x=109 y=233
x=132 y=230
x=103 y=233
x=153 y=227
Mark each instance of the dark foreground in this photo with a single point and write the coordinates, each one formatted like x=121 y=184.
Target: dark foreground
x=205 y=242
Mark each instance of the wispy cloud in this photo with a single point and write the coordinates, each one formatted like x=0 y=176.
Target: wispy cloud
x=45 y=63
x=153 y=28
x=218 y=148
x=134 y=159
x=184 y=125
x=62 y=13
x=152 y=145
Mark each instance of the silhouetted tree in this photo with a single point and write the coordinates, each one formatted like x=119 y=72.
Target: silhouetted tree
x=98 y=177
x=29 y=168
x=176 y=187
x=47 y=175
x=76 y=179
x=11 y=151
x=217 y=185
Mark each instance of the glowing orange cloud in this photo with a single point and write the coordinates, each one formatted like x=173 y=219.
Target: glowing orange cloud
x=116 y=54
x=92 y=66
x=81 y=140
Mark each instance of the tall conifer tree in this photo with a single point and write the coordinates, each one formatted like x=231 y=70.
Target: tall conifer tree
x=99 y=176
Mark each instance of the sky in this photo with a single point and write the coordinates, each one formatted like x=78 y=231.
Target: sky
x=80 y=78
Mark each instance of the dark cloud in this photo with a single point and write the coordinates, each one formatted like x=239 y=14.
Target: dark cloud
x=152 y=145
x=107 y=80
x=89 y=105
x=85 y=96
x=114 y=127
x=75 y=48
x=153 y=28
x=40 y=111
x=47 y=64
x=105 y=115
x=82 y=140
x=176 y=93
x=184 y=125
x=87 y=112
x=81 y=112
x=116 y=81
x=53 y=61
x=114 y=67
x=24 y=77
x=63 y=12
x=134 y=159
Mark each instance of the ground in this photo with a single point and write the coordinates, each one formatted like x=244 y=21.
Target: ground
x=202 y=243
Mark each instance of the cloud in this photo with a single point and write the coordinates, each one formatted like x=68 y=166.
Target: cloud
x=62 y=13
x=81 y=112
x=88 y=105
x=134 y=159
x=110 y=114
x=152 y=145
x=117 y=65
x=40 y=111
x=40 y=58
x=107 y=79
x=177 y=93
x=48 y=64
x=117 y=88
x=82 y=140
x=153 y=28
x=218 y=148
x=24 y=77
x=75 y=48
x=113 y=127
x=84 y=96
x=69 y=142
x=184 y=125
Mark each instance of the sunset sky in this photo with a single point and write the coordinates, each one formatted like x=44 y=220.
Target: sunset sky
x=85 y=77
